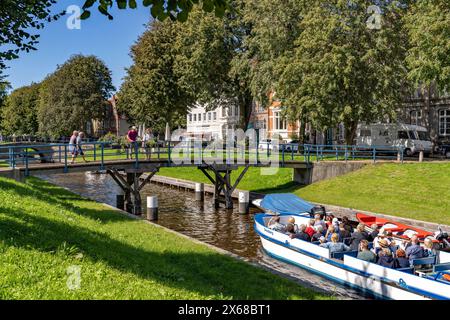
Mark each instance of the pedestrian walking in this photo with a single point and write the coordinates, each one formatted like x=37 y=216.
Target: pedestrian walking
x=73 y=146
x=147 y=139
x=79 y=145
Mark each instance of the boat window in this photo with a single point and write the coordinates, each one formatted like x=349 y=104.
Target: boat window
x=403 y=135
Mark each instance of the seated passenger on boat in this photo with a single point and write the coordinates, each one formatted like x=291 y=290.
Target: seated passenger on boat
x=429 y=248
x=274 y=224
x=310 y=228
x=318 y=233
x=331 y=230
x=385 y=258
x=364 y=252
x=357 y=236
x=343 y=232
x=374 y=233
x=334 y=245
x=301 y=234
x=414 y=250
x=291 y=221
x=401 y=261
x=320 y=222
x=347 y=224
x=381 y=237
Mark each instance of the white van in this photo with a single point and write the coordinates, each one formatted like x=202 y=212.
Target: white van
x=412 y=138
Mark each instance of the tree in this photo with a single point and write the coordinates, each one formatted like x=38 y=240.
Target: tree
x=269 y=45
x=4 y=87
x=428 y=26
x=19 y=115
x=150 y=92
x=208 y=48
x=346 y=69
x=73 y=95
x=19 y=17
x=160 y=9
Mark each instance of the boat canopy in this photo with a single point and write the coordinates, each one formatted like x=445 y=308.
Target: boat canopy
x=285 y=203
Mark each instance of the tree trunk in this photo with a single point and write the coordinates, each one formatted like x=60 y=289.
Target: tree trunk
x=350 y=132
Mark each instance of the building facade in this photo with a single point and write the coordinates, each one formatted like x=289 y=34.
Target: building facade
x=213 y=125
x=431 y=112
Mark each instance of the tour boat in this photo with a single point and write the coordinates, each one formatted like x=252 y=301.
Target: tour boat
x=346 y=269
x=398 y=229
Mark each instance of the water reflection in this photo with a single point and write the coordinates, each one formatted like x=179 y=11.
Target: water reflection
x=179 y=211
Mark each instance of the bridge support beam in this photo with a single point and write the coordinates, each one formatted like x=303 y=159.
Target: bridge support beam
x=132 y=186
x=223 y=189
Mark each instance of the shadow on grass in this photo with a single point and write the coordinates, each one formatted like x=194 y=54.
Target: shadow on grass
x=289 y=187
x=56 y=196
x=208 y=274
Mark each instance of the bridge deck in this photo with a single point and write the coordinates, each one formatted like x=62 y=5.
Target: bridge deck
x=142 y=165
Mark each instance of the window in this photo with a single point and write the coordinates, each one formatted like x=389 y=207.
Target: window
x=204 y=117
x=280 y=124
x=424 y=136
x=403 y=135
x=444 y=122
x=415 y=115
x=214 y=115
x=199 y=117
x=209 y=116
x=195 y=117
x=190 y=117
x=236 y=111
x=365 y=133
x=412 y=135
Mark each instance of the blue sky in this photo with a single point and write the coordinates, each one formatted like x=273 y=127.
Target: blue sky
x=110 y=40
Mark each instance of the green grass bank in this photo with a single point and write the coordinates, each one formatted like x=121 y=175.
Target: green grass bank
x=419 y=191
x=46 y=233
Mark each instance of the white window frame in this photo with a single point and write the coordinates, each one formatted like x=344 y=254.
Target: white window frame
x=444 y=122
x=279 y=123
x=414 y=116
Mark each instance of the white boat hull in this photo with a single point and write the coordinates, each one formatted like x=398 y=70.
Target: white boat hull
x=381 y=282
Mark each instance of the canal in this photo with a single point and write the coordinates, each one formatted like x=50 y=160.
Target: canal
x=179 y=211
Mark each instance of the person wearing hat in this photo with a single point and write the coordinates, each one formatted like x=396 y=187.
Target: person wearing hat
x=132 y=137
x=385 y=258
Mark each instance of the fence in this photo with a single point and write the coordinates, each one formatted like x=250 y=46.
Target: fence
x=103 y=152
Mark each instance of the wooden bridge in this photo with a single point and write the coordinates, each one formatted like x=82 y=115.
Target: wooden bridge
x=25 y=160
x=126 y=166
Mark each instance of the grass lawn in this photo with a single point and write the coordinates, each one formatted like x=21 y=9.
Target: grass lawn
x=419 y=191
x=45 y=230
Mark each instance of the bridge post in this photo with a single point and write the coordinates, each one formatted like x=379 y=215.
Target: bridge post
x=223 y=189
x=132 y=186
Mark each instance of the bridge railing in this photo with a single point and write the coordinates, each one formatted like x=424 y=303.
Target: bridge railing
x=174 y=152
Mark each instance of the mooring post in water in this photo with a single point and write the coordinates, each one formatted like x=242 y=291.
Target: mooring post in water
x=244 y=200
x=199 y=191
x=152 y=208
x=120 y=201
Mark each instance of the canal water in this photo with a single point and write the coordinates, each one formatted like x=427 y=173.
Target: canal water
x=222 y=228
